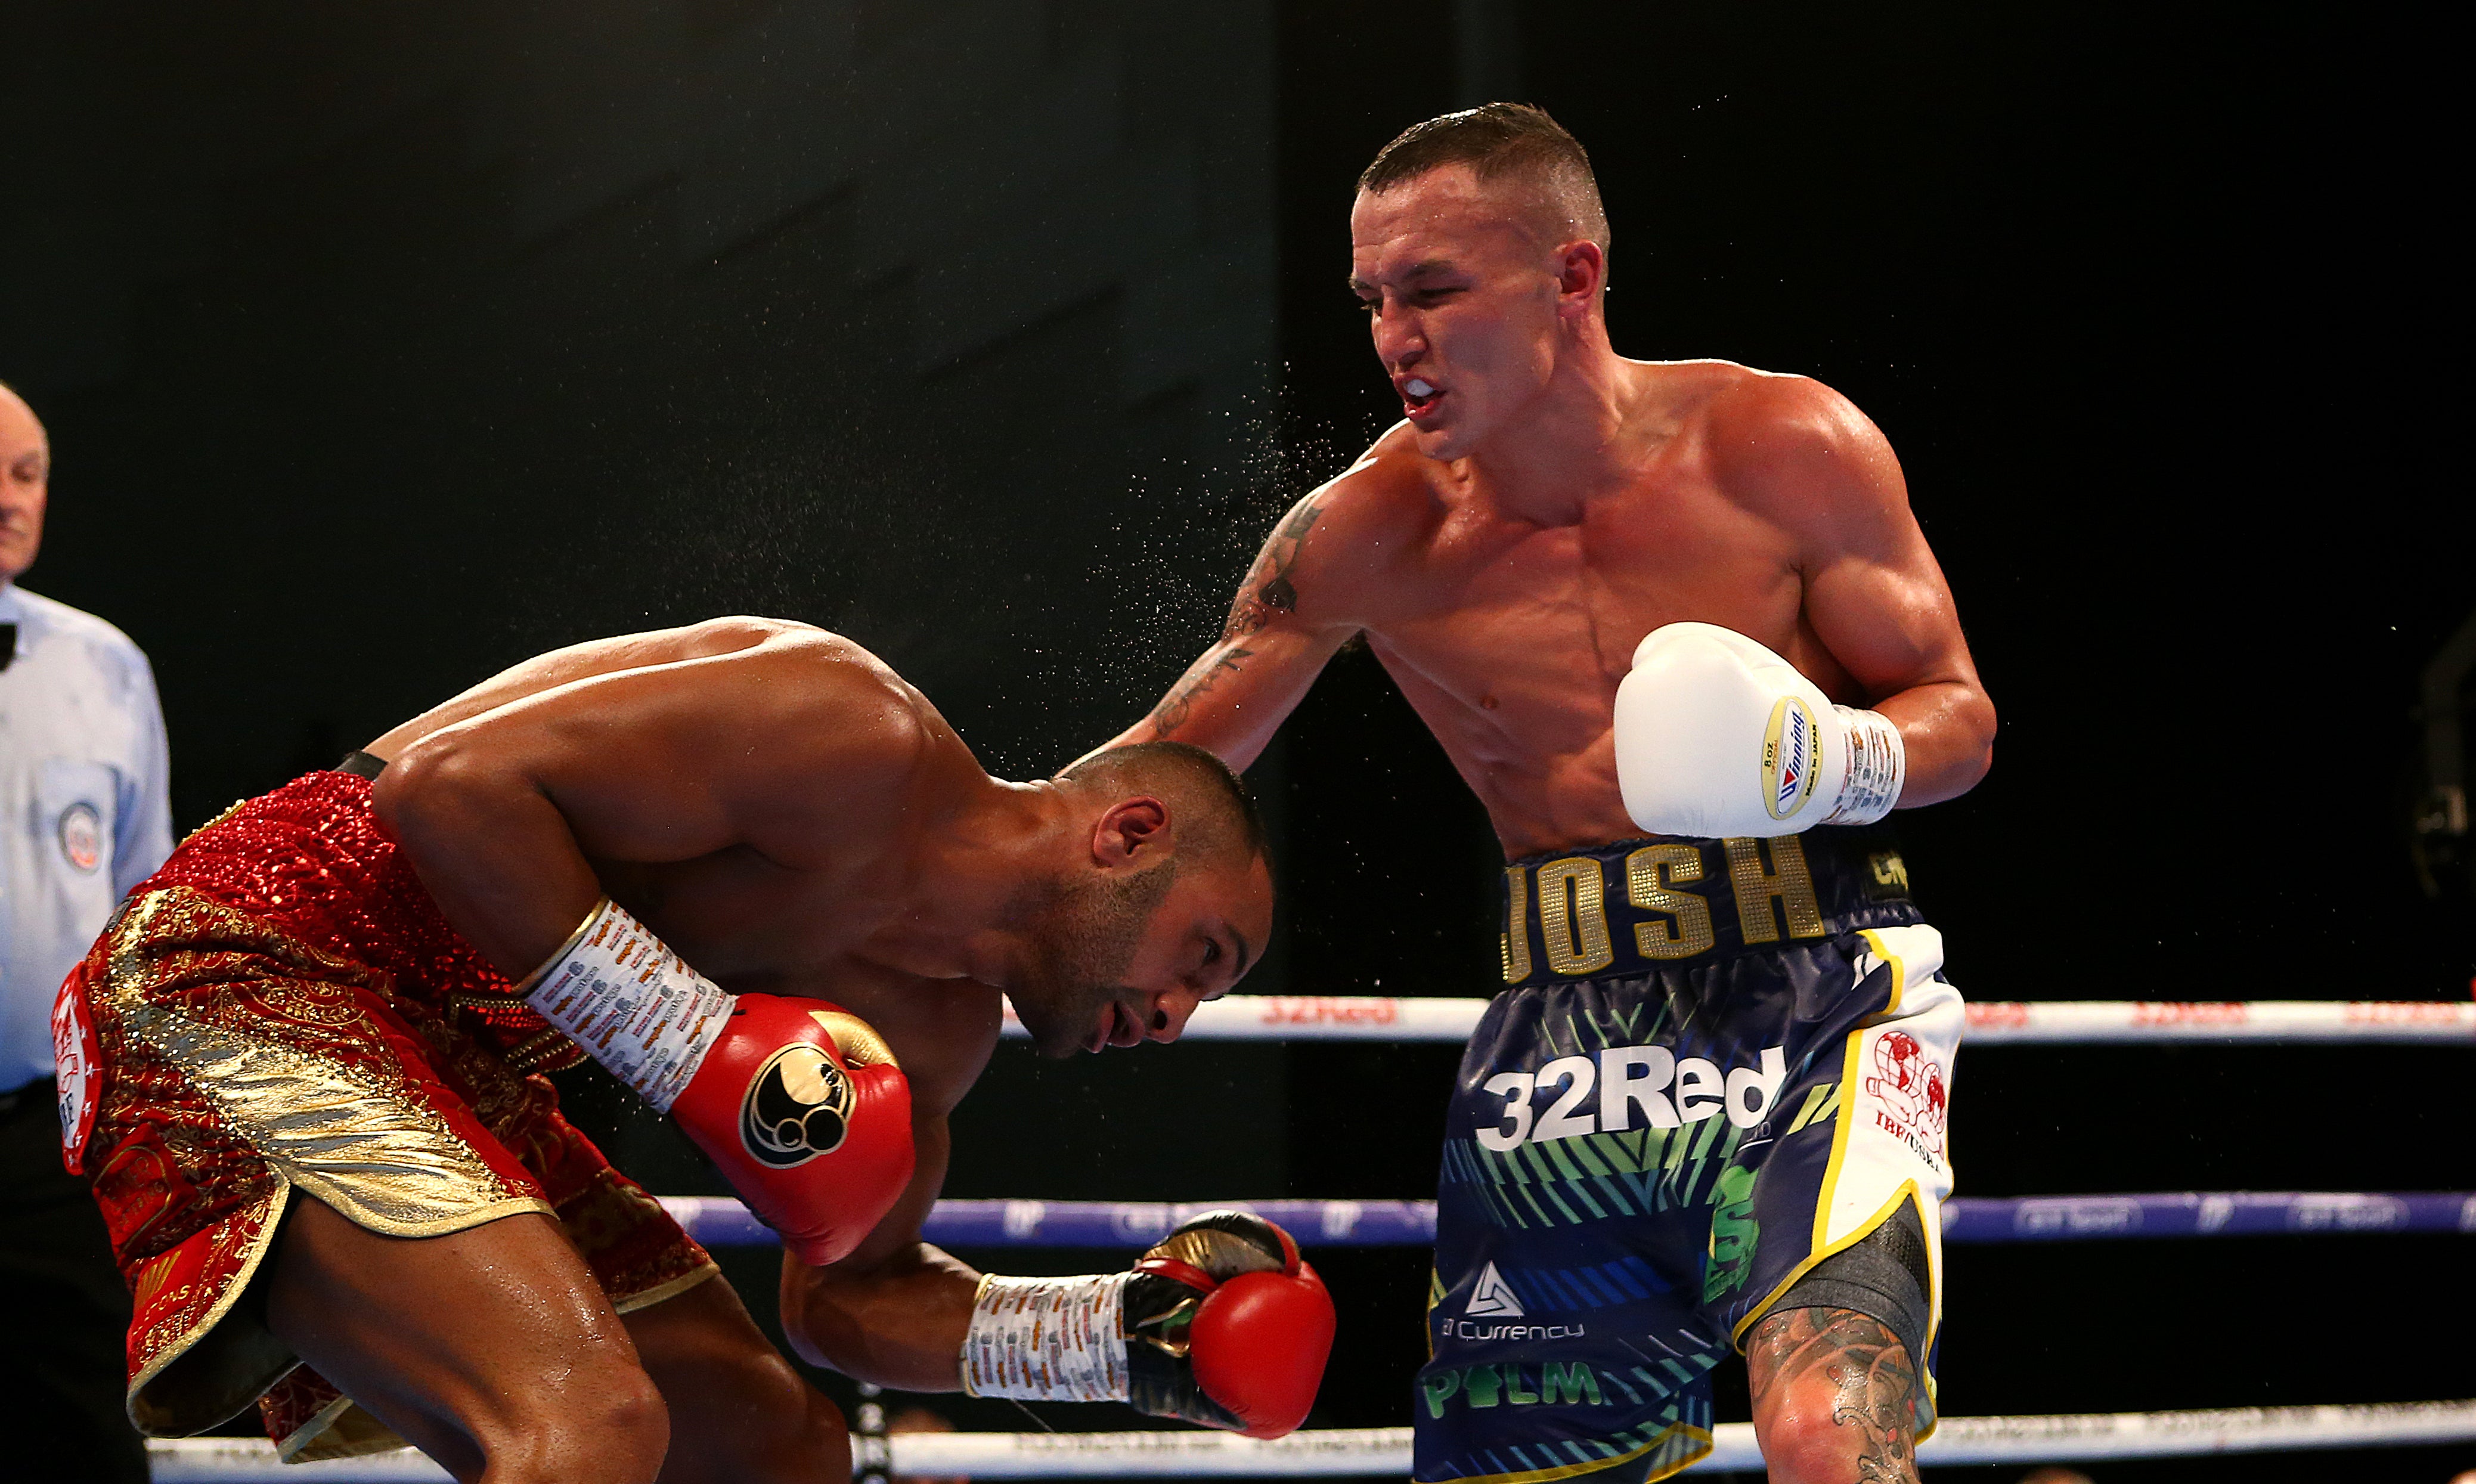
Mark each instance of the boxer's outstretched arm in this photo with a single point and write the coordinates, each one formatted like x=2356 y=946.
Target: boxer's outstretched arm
x=776 y=746
x=1874 y=594
x=894 y=1312
x=1286 y=622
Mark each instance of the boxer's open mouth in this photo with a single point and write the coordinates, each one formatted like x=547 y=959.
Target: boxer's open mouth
x=1419 y=396
x=1115 y=1022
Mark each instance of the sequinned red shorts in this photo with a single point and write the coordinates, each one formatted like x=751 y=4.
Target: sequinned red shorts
x=282 y=1007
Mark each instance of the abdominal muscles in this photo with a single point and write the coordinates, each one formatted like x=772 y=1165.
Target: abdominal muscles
x=1534 y=742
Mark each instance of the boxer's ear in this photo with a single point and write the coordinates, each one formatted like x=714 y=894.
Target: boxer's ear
x=1132 y=832
x=1581 y=272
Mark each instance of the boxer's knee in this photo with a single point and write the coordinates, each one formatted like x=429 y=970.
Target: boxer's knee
x=1834 y=1398
x=1804 y=1442
x=759 y=1420
x=604 y=1420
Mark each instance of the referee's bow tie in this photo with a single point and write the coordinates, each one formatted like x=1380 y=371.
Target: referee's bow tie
x=8 y=644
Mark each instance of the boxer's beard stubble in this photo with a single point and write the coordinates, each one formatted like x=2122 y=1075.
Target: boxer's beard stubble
x=1089 y=934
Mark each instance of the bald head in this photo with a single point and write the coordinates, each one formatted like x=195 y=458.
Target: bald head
x=25 y=483
x=1524 y=158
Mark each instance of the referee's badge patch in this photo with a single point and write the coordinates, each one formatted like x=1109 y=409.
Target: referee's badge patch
x=82 y=837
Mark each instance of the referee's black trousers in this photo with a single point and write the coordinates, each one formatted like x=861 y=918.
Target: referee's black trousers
x=64 y=1313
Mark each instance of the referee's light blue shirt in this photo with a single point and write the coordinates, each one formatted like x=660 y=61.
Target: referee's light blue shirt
x=84 y=784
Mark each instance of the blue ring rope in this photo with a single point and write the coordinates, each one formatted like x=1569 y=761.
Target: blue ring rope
x=721 y=1222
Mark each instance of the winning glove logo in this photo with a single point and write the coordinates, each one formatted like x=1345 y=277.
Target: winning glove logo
x=1788 y=758
x=798 y=1107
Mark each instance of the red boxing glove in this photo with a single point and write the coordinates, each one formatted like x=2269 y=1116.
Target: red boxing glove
x=798 y=1101
x=1226 y=1326
x=801 y=1105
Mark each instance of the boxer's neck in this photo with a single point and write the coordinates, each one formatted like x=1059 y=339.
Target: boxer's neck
x=976 y=881
x=1569 y=443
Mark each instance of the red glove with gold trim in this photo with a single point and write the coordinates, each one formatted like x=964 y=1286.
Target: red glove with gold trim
x=803 y=1108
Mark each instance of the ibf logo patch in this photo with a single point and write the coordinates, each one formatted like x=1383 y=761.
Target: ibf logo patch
x=1789 y=749
x=73 y=1048
x=81 y=832
x=1912 y=1089
x=798 y=1106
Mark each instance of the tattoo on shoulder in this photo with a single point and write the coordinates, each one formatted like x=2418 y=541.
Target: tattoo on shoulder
x=1180 y=703
x=1874 y=1383
x=1268 y=592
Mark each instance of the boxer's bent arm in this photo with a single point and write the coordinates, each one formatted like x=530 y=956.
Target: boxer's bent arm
x=894 y=1312
x=772 y=748
x=1283 y=625
x=1873 y=592
x=1892 y=625
x=1230 y=701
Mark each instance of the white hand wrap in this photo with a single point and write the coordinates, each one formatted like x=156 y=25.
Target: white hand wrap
x=1047 y=1339
x=621 y=993
x=1878 y=764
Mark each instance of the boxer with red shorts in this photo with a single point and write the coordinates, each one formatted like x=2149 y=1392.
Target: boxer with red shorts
x=303 y=1069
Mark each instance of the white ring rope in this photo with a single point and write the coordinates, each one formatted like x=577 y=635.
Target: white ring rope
x=1378 y=1451
x=1991 y=1023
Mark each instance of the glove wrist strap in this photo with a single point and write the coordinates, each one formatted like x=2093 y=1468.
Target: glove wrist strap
x=1047 y=1339
x=1877 y=766
x=621 y=993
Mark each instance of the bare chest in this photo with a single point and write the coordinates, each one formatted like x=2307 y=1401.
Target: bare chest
x=1528 y=627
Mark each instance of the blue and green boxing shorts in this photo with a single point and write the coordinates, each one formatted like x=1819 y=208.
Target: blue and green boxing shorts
x=1714 y=1088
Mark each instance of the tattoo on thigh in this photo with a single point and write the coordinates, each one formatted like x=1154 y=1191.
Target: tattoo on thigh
x=1874 y=1383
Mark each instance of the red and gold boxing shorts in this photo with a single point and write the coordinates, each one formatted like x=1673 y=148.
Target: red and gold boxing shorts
x=282 y=1008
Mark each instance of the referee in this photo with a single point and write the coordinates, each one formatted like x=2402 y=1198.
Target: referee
x=84 y=817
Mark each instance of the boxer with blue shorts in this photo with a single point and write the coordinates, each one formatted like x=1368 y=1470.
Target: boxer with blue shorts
x=1715 y=1090
x=1675 y=624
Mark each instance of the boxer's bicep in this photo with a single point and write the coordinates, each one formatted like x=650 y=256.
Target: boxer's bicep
x=1803 y=457
x=1804 y=460
x=1877 y=598
x=1884 y=612
x=488 y=842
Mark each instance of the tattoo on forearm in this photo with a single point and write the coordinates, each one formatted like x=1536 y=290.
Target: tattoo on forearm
x=1268 y=591
x=1873 y=1381
x=1175 y=707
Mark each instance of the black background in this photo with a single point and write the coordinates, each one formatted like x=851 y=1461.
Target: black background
x=2154 y=310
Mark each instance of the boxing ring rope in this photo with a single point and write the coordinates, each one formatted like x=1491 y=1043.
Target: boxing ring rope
x=719 y=1220
x=1340 y=1452
x=1991 y=1023
x=1386 y=1451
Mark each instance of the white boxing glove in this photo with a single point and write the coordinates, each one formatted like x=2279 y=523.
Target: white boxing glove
x=1717 y=735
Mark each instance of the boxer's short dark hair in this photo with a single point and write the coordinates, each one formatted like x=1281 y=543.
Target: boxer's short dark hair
x=1498 y=141
x=1181 y=769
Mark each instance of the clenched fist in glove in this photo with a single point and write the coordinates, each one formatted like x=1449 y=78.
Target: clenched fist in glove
x=1717 y=735
x=1220 y=1324
x=797 y=1102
